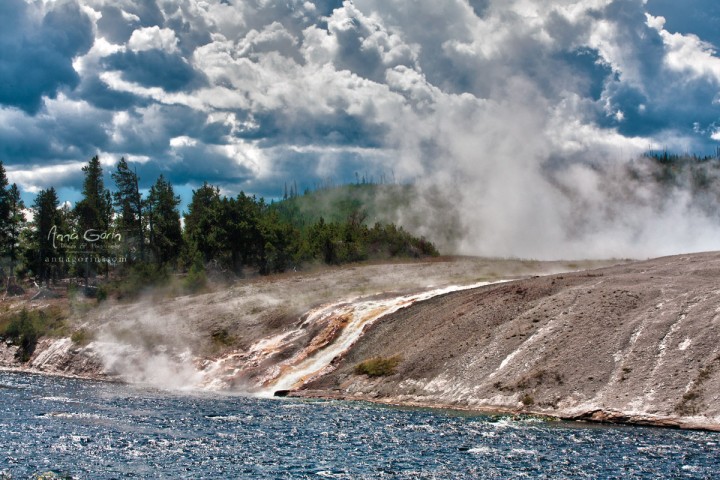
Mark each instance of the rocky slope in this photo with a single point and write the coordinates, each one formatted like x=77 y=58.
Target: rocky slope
x=175 y=341
x=637 y=343
x=56 y=356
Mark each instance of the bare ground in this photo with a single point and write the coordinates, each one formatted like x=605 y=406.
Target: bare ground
x=635 y=343
x=127 y=340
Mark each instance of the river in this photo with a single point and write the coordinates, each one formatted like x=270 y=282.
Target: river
x=93 y=430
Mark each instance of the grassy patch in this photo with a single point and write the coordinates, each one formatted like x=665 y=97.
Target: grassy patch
x=222 y=339
x=139 y=278
x=195 y=281
x=26 y=327
x=49 y=321
x=378 y=366
x=81 y=337
x=196 y=278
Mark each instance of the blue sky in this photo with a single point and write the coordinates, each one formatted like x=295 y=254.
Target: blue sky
x=250 y=94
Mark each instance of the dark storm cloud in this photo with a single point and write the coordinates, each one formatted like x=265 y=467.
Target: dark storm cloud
x=658 y=99
x=114 y=26
x=326 y=7
x=37 y=56
x=23 y=141
x=425 y=26
x=84 y=132
x=679 y=109
x=643 y=42
x=479 y=6
x=98 y=93
x=156 y=68
x=60 y=133
x=193 y=165
x=117 y=27
x=337 y=129
x=148 y=131
x=366 y=62
x=588 y=69
x=189 y=38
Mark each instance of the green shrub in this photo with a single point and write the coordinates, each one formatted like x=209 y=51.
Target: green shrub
x=72 y=290
x=101 y=294
x=81 y=337
x=196 y=279
x=378 y=366
x=139 y=277
x=27 y=326
x=222 y=339
x=527 y=400
x=23 y=334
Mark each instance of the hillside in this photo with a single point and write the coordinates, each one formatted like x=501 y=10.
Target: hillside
x=424 y=213
x=634 y=343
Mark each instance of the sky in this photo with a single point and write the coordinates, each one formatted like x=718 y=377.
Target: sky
x=505 y=104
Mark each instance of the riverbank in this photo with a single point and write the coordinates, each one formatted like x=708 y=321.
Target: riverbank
x=598 y=416
x=635 y=343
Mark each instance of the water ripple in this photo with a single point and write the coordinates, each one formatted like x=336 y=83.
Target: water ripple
x=93 y=430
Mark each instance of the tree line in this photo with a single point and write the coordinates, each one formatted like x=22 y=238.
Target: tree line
x=122 y=231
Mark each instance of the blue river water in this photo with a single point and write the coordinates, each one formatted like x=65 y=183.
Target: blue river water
x=84 y=429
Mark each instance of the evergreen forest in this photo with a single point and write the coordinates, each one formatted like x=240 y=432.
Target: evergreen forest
x=117 y=235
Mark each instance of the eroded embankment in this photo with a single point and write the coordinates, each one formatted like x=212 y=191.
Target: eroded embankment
x=56 y=356
x=637 y=343
x=238 y=336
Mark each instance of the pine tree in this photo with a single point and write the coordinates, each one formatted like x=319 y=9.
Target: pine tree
x=276 y=242
x=203 y=230
x=241 y=216
x=4 y=211
x=94 y=212
x=128 y=203
x=15 y=225
x=45 y=247
x=164 y=222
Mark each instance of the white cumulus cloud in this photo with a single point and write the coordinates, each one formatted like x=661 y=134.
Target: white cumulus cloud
x=153 y=37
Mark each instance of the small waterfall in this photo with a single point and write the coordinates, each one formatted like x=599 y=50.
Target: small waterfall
x=342 y=325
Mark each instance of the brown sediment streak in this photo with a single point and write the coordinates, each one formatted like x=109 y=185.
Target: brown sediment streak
x=331 y=331
x=344 y=324
x=292 y=358
x=328 y=335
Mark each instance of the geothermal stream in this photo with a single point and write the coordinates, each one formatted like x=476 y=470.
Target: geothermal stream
x=341 y=325
x=269 y=365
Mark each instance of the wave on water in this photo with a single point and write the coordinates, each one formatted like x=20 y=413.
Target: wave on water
x=59 y=399
x=124 y=431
